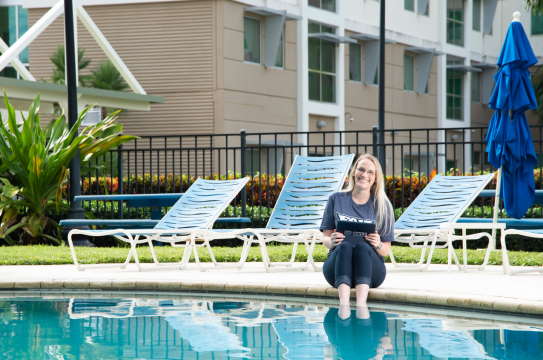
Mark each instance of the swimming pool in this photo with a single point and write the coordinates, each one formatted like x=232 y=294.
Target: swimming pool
x=101 y=326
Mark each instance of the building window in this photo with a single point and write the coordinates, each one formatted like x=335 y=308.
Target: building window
x=476 y=15
x=455 y=96
x=476 y=86
x=408 y=72
x=329 y=5
x=409 y=5
x=280 y=56
x=355 y=62
x=322 y=65
x=13 y=24
x=251 y=39
x=537 y=23
x=455 y=22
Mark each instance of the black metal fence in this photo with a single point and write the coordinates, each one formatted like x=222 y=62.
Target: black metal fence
x=154 y=164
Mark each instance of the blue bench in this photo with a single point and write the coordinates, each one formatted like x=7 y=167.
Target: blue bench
x=153 y=201
x=510 y=223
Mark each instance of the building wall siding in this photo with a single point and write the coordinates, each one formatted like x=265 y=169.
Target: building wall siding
x=169 y=47
x=404 y=109
x=256 y=98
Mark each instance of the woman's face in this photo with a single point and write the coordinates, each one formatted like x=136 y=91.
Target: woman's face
x=364 y=176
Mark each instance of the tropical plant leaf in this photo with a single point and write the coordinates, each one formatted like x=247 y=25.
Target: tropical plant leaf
x=34 y=164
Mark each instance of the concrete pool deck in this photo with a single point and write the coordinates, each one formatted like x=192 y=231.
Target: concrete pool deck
x=488 y=290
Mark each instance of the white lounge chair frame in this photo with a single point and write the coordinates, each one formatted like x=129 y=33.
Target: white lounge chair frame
x=298 y=212
x=197 y=209
x=430 y=221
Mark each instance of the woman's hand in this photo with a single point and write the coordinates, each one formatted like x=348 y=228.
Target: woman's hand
x=375 y=240
x=336 y=238
x=332 y=238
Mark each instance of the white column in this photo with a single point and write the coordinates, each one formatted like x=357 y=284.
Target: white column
x=302 y=68
x=340 y=81
x=441 y=91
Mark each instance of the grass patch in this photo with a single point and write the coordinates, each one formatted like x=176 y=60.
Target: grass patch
x=56 y=255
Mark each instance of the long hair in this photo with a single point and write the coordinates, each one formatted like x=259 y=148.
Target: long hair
x=384 y=213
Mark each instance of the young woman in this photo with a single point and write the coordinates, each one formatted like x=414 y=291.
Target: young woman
x=356 y=260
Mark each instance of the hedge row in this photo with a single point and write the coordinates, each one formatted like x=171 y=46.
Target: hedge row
x=262 y=190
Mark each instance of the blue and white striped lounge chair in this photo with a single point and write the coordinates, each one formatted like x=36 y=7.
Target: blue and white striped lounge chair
x=197 y=209
x=432 y=217
x=298 y=212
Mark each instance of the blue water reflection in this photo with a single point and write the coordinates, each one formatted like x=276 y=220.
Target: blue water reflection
x=117 y=328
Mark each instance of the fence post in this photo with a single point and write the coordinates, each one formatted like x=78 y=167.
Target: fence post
x=120 y=177
x=375 y=140
x=243 y=146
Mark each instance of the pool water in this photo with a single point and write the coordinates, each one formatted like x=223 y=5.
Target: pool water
x=195 y=328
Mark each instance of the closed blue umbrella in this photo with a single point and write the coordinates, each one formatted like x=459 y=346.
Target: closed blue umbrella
x=509 y=142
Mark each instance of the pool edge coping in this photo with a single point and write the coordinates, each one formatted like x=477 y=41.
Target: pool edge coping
x=471 y=302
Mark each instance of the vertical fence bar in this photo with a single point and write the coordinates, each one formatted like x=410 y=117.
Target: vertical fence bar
x=120 y=177
x=374 y=140
x=243 y=143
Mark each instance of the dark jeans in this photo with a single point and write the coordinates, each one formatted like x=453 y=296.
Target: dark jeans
x=354 y=262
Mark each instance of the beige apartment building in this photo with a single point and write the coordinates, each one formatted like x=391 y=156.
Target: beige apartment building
x=297 y=65
x=192 y=54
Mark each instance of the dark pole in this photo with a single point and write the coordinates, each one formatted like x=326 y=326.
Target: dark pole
x=71 y=84
x=381 y=124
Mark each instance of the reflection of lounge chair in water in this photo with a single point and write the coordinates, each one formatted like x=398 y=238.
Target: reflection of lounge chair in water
x=204 y=331
x=443 y=343
x=79 y=308
x=301 y=339
x=109 y=308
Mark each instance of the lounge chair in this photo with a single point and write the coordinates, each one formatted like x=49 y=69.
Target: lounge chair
x=534 y=233
x=432 y=217
x=298 y=212
x=197 y=209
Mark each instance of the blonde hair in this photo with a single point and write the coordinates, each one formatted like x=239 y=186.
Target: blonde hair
x=384 y=213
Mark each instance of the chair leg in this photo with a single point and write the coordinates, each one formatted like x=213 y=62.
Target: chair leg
x=293 y=255
x=505 y=255
x=310 y=248
x=210 y=251
x=487 y=252
x=152 y=249
x=423 y=252
x=195 y=251
x=464 y=247
x=72 y=251
x=128 y=258
x=264 y=252
x=430 y=252
x=135 y=253
x=186 y=254
x=247 y=242
x=392 y=258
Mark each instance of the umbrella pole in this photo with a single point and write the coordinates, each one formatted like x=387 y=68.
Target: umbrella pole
x=492 y=244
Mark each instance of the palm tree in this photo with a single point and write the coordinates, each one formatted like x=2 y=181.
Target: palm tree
x=107 y=77
x=58 y=60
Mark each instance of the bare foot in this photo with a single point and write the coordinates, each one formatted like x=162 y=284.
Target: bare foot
x=362 y=312
x=344 y=312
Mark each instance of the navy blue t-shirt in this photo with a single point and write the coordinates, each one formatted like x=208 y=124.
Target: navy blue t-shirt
x=342 y=202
